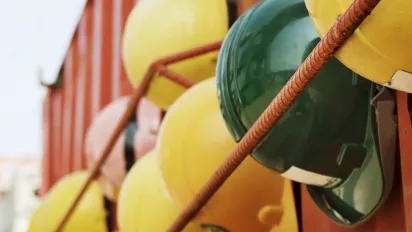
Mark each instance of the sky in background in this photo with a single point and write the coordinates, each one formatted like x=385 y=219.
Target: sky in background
x=24 y=39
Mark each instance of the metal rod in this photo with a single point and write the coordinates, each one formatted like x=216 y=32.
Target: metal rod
x=343 y=28
x=190 y=53
x=174 y=76
x=131 y=108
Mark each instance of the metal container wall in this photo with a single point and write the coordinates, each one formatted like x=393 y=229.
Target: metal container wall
x=93 y=76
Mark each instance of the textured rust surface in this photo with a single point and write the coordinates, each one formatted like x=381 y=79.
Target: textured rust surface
x=405 y=138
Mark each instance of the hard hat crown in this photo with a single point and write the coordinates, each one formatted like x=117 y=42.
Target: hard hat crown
x=89 y=215
x=380 y=49
x=258 y=57
x=155 y=29
x=144 y=204
x=193 y=142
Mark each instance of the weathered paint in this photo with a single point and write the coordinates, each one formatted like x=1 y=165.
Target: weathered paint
x=94 y=76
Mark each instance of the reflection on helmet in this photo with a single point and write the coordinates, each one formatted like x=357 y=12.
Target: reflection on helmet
x=380 y=47
x=320 y=140
x=127 y=149
x=159 y=28
x=143 y=204
x=193 y=142
x=88 y=216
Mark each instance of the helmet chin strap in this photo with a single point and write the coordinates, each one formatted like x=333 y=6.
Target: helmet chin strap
x=386 y=130
x=384 y=103
x=129 y=152
x=108 y=205
x=129 y=157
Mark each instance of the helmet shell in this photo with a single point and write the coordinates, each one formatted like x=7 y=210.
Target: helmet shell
x=328 y=120
x=149 y=118
x=155 y=29
x=327 y=138
x=89 y=214
x=380 y=47
x=193 y=142
x=144 y=204
x=115 y=168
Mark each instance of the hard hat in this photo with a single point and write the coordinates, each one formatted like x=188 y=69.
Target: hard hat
x=155 y=29
x=148 y=125
x=144 y=204
x=126 y=150
x=89 y=214
x=320 y=140
x=380 y=49
x=193 y=142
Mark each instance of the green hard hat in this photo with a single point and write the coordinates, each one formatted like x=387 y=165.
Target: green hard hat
x=328 y=138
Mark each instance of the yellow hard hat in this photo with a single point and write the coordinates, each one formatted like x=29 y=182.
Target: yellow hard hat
x=37 y=221
x=380 y=50
x=89 y=214
x=193 y=142
x=155 y=29
x=143 y=203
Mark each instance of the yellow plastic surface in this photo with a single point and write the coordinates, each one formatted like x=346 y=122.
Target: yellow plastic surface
x=143 y=204
x=88 y=216
x=193 y=142
x=380 y=46
x=158 y=28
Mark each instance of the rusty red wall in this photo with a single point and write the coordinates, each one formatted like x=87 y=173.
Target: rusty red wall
x=94 y=76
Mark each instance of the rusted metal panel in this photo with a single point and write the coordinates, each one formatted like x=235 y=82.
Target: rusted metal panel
x=405 y=138
x=93 y=75
x=47 y=148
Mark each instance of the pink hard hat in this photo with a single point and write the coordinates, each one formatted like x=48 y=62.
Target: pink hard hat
x=139 y=136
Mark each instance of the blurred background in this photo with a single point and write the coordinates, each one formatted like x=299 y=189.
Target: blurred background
x=33 y=44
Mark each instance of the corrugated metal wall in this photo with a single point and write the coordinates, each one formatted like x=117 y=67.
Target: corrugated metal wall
x=93 y=76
